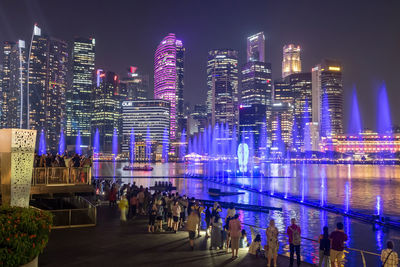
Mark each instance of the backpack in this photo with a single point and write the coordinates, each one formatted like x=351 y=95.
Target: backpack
x=296 y=238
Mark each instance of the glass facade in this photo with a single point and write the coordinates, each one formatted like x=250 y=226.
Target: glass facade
x=47 y=83
x=142 y=115
x=256 y=83
x=222 y=82
x=79 y=104
x=256 y=47
x=168 y=78
x=105 y=113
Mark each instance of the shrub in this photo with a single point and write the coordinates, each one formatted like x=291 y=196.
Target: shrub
x=24 y=232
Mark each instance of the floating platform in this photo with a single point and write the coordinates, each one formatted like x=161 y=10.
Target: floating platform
x=217 y=193
x=248 y=207
x=138 y=168
x=163 y=188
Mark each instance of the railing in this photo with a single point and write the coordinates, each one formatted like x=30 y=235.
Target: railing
x=362 y=252
x=80 y=217
x=61 y=175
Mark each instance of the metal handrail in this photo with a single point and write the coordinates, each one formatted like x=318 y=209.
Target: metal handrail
x=61 y=175
x=362 y=252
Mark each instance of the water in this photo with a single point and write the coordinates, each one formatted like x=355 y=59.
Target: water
x=132 y=147
x=61 y=143
x=384 y=121
x=364 y=183
x=355 y=119
x=42 y=143
x=115 y=144
x=78 y=148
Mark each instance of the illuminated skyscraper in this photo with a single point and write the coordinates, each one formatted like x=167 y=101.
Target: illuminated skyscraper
x=256 y=47
x=79 y=104
x=135 y=86
x=5 y=82
x=327 y=97
x=256 y=83
x=168 y=79
x=105 y=113
x=291 y=62
x=47 y=82
x=222 y=81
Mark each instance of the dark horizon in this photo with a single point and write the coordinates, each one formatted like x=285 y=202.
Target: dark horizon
x=364 y=36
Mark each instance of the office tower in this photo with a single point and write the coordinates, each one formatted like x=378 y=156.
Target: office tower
x=256 y=47
x=105 y=113
x=251 y=119
x=283 y=92
x=79 y=95
x=135 y=86
x=168 y=79
x=281 y=135
x=327 y=97
x=300 y=86
x=222 y=81
x=152 y=114
x=47 y=82
x=291 y=62
x=256 y=83
x=197 y=119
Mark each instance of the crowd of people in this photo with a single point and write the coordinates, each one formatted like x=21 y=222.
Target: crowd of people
x=172 y=212
x=65 y=160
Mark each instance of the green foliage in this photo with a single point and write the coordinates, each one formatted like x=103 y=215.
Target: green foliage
x=24 y=232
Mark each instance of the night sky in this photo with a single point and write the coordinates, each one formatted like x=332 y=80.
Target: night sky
x=364 y=35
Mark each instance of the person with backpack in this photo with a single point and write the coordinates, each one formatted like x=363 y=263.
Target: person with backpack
x=338 y=237
x=294 y=234
x=389 y=258
x=324 y=248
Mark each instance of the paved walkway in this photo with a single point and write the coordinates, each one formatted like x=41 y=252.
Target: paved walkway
x=112 y=244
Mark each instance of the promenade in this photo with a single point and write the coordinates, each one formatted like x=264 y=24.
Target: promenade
x=113 y=244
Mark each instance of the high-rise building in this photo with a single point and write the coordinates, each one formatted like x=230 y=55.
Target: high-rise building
x=14 y=85
x=168 y=79
x=79 y=96
x=143 y=115
x=251 y=120
x=222 y=81
x=197 y=119
x=135 y=86
x=256 y=47
x=281 y=125
x=327 y=97
x=283 y=92
x=300 y=86
x=47 y=82
x=256 y=83
x=105 y=114
x=291 y=62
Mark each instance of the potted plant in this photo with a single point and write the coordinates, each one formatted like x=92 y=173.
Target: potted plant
x=24 y=232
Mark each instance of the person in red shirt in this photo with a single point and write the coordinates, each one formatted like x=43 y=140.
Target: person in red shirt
x=338 y=237
x=294 y=233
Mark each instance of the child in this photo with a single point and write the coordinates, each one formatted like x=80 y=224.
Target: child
x=255 y=246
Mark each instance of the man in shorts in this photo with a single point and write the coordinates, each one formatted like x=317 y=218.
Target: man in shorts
x=191 y=226
x=337 y=237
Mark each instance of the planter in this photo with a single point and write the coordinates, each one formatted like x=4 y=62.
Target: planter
x=33 y=263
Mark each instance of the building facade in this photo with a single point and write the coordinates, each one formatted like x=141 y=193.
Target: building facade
x=14 y=85
x=79 y=96
x=256 y=47
x=141 y=116
x=327 y=97
x=168 y=79
x=256 y=83
x=106 y=108
x=47 y=83
x=251 y=120
x=291 y=62
x=135 y=86
x=222 y=82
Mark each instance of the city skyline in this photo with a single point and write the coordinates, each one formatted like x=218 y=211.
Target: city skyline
x=366 y=77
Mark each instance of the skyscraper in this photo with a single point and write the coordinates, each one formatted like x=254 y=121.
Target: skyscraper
x=327 y=97
x=105 y=114
x=168 y=78
x=222 y=81
x=135 y=86
x=79 y=104
x=256 y=47
x=291 y=62
x=47 y=82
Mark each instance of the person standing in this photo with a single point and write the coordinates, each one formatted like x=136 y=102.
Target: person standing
x=324 y=248
x=191 y=226
x=152 y=218
x=216 y=232
x=389 y=258
x=294 y=234
x=123 y=207
x=140 y=197
x=208 y=220
x=338 y=237
x=176 y=211
x=273 y=244
x=235 y=229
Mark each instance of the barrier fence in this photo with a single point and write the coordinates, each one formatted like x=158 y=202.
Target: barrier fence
x=61 y=175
